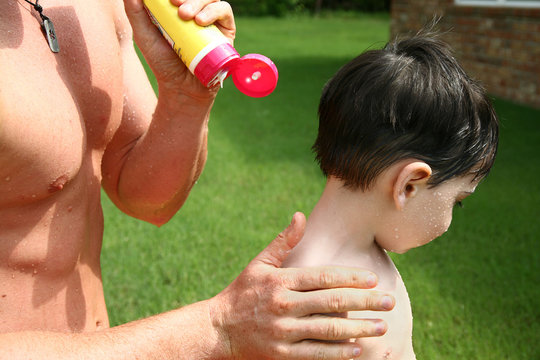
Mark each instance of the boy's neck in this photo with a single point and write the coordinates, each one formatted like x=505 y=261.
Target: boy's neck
x=340 y=229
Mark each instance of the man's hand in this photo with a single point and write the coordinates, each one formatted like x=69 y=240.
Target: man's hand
x=172 y=75
x=274 y=313
x=206 y=12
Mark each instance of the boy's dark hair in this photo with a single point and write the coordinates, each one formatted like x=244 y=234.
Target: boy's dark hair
x=410 y=99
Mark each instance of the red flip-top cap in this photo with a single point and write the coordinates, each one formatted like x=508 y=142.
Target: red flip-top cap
x=254 y=75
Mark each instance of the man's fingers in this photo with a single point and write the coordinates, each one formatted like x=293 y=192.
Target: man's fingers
x=306 y=279
x=339 y=301
x=279 y=249
x=309 y=350
x=219 y=14
x=189 y=8
x=329 y=328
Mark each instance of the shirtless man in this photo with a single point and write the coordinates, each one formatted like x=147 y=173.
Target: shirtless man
x=86 y=117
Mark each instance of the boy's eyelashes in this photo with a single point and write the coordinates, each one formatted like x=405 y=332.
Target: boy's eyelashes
x=459 y=203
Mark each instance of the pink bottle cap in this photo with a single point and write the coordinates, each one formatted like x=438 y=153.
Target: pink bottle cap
x=254 y=75
x=220 y=58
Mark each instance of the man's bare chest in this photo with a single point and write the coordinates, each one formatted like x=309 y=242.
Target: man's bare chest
x=56 y=108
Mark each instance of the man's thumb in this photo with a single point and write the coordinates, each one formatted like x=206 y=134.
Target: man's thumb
x=279 y=249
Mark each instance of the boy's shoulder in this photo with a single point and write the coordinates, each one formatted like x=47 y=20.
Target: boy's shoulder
x=397 y=342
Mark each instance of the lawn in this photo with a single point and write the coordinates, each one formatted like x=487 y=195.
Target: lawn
x=474 y=291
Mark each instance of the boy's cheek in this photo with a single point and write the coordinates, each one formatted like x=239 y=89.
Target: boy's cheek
x=397 y=241
x=402 y=240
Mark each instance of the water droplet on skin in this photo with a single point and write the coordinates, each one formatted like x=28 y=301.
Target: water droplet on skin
x=8 y=178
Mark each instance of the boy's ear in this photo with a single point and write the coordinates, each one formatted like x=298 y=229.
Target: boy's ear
x=408 y=180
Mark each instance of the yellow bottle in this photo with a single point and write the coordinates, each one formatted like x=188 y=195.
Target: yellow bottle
x=208 y=54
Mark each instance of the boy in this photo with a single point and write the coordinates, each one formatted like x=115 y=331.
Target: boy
x=404 y=135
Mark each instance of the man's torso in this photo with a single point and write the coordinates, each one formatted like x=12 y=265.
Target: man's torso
x=57 y=114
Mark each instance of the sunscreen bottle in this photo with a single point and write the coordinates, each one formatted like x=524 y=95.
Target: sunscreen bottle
x=208 y=54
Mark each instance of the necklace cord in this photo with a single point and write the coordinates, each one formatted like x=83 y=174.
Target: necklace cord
x=38 y=8
x=47 y=27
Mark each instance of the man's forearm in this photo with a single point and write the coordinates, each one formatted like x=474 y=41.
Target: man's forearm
x=152 y=180
x=185 y=333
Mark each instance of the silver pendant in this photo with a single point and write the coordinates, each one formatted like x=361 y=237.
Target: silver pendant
x=48 y=28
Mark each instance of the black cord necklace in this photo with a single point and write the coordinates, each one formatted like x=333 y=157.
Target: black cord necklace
x=47 y=26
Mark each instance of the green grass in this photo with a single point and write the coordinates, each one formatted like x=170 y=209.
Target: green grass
x=474 y=291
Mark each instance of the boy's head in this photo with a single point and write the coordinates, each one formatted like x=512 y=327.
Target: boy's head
x=409 y=100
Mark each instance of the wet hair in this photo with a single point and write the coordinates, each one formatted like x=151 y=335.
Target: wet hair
x=410 y=99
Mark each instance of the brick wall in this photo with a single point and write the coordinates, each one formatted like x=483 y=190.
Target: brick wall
x=500 y=46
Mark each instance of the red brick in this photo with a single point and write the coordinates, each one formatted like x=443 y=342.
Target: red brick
x=498 y=46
